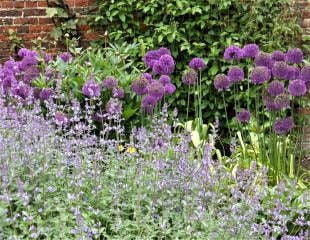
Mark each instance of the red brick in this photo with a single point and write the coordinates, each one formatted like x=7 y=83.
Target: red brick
x=31 y=4
x=306 y=23
x=7 y=4
x=47 y=28
x=42 y=4
x=81 y=3
x=32 y=21
x=19 y=4
x=35 y=28
x=34 y=12
x=45 y=21
x=10 y=13
x=23 y=29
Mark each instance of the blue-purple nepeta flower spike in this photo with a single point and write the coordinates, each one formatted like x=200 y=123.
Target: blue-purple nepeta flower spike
x=294 y=55
x=283 y=126
x=197 y=63
x=250 y=50
x=260 y=75
x=297 y=88
x=235 y=74
x=233 y=53
x=61 y=118
x=221 y=82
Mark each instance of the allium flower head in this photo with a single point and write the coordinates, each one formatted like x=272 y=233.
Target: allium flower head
x=91 y=89
x=46 y=93
x=250 y=50
x=280 y=70
x=243 y=116
x=283 y=126
x=148 y=76
x=162 y=51
x=156 y=89
x=197 y=63
x=235 y=74
x=233 y=53
x=293 y=72
x=150 y=57
x=148 y=103
x=294 y=55
x=264 y=60
x=118 y=92
x=276 y=88
x=164 y=79
x=139 y=86
x=66 y=56
x=297 y=88
x=190 y=77
x=221 y=82
x=276 y=103
x=12 y=66
x=305 y=73
x=278 y=56
x=47 y=57
x=109 y=82
x=28 y=61
x=114 y=107
x=22 y=90
x=260 y=75
x=169 y=88
x=165 y=65
x=23 y=52
x=61 y=118
x=31 y=73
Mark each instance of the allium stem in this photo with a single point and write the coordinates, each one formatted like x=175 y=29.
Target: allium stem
x=227 y=122
x=187 y=107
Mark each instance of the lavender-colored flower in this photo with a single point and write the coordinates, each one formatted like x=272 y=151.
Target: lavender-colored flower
x=293 y=72
x=221 y=82
x=150 y=57
x=297 y=88
x=235 y=74
x=278 y=56
x=197 y=63
x=139 y=86
x=22 y=90
x=260 y=75
x=12 y=66
x=109 y=82
x=283 y=126
x=162 y=51
x=148 y=76
x=114 y=107
x=148 y=103
x=28 y=61
x=243 y=116
x=91 y=89
x=264 y=60
x=31 y=73
x=36 y=92
x=280 y=70
x=66 y=56
x=46 y=93
x=118 y=92
x=276 y=103
x=250 y=50
x=47 y=57
x=164 y=66
x=294 y=55
x=190 y=77
x=276 y=88
x=164 y=79
x=61 y=118
x=23 y=52
x=233 y=53
x=169 y=88
x=305 y=74
x=156 y=89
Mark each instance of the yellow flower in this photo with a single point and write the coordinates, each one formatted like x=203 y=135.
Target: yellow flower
x=131 y=150
x=120 y=148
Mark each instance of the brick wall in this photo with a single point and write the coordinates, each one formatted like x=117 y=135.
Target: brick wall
x=304 y=6
x=28 y=19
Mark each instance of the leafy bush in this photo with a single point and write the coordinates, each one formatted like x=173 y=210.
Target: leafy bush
x=199 y=28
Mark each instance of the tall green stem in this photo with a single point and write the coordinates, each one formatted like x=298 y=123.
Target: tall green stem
x=227 y=122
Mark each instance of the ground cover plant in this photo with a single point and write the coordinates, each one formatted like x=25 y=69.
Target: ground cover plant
x=75 y=166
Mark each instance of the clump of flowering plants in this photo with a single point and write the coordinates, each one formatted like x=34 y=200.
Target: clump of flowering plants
x=281 y=82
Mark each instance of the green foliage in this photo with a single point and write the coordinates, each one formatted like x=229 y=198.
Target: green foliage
x=15 y=42
x=198 y=28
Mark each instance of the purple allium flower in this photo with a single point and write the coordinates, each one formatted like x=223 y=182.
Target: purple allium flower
x=61 y=118
x=148 y=103
x=276 y=88
x=165 y=65
x=276 y=103
x=148 y=76
x=250 y=50
x=233 y=53
x=118 y=92
x=264 y=60
x=221 y=82
x=235 y=74
x=169 y=88
x=164 y=79
x=139 y=86
x=47 y=57
x=91 y=89
x=190 y=77
x=283 y=126
x=46 y=93
x=278 y=56
x=260 y=75
x=156 y=89
x=12 y=66
x=293 y=73
x=23 y=52
x=243 y=116
x=297 y=88
x=66 y=56
x=150 y=57
x=294 y=55
x=162 y=51
x=109 y=82
x=114 y=107
x=22 y=90
x=27 y=62
x=31 y=73
x=280 y=70
x=305 y=74
x=197 y=63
